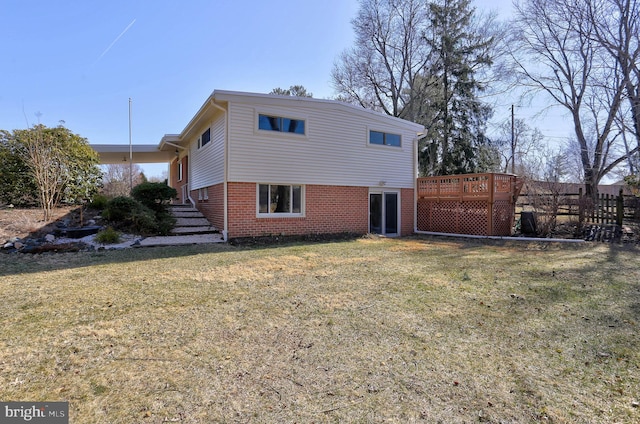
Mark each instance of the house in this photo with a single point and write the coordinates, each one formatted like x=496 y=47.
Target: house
x=257 y=165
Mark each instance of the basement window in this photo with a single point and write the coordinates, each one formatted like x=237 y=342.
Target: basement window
x=279 y=200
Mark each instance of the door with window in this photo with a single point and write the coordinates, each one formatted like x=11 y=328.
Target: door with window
x=383 y=213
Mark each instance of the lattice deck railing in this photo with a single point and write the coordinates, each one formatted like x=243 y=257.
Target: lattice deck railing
x=482 y=204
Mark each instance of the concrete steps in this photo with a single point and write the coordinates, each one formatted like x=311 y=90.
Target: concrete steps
x=189 y=221
x=191 y=228
x=180 y=240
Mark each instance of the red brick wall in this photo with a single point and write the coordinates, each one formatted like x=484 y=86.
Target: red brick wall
x=406 y=211
x=173 y=181
x=328 y=209
x=213 y=207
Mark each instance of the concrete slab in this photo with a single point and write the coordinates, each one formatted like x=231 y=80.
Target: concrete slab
x=180 y=240
x=193 y=230
x=192 y=222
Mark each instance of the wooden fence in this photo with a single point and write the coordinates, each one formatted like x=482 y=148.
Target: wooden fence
x=607 y=209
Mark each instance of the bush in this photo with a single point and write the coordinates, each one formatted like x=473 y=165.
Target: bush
x=120 y=208
x=165 y=222
x=143 y=221
x=108 y=236
x=128 y=214
x=155 y=196
x=99 y=202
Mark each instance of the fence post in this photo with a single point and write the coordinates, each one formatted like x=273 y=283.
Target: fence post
x=491 y=188
x=580 y=211
x=620 y=208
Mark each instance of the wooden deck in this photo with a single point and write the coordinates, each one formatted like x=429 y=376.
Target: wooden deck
x=470 y=187
x=482 y=204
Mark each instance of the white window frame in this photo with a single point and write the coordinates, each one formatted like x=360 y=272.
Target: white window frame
x=384 y=146
x=281 y=214
x=180 y=170
x=200 y=138
x=203 y=194
x=280 y=134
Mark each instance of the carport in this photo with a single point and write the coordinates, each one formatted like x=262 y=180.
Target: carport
x=140 y=153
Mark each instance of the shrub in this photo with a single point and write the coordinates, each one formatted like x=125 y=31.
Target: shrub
x=120 y=208
x=165 y=222
x=99 y=202
x=108 y=236
x=155 y=196
x=128 y=214
x=143 y=221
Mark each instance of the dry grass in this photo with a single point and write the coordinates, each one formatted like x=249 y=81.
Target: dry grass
x=372 y=330
x=20 y=222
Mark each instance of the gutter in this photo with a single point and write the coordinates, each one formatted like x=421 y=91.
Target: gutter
x=225 y=230
x=473 y=236
x=416 y=173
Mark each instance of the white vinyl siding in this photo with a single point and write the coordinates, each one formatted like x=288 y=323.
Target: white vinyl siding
x=335 y=151
x=207 y=163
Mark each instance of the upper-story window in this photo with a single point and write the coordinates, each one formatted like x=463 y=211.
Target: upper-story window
x=278 y=123
x=382 y=138
x=205 y=138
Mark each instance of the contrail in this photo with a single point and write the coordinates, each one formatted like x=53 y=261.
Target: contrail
x=115 y=41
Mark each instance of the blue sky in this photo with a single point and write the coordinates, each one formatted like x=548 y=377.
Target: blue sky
x=80 y=61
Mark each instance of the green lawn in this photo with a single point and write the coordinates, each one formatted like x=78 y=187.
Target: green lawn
x=369 y=330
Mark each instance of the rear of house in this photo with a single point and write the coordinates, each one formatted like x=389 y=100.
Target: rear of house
x=259 y=165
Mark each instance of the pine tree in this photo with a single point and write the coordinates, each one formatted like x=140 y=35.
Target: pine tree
x=456 y=142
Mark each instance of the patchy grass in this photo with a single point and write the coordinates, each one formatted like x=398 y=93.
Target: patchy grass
x=371 y=330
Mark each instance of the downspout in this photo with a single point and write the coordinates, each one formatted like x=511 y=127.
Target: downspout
x=225 y=230
x=416 y=173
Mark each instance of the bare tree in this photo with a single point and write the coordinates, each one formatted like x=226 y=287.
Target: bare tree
x=518 y=143
x=43 y=159
x=557 y=52
x=380 y=71
x=616 y=27
x=62 y=164
x=116 y=181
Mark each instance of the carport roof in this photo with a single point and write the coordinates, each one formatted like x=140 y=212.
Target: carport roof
x=142 y=153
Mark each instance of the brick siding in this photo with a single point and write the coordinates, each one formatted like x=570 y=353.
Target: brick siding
x=213 y=207
x=328 y=209
x=173 y=181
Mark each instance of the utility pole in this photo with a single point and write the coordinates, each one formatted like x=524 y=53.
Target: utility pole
x=130 y=152
x=513 y=142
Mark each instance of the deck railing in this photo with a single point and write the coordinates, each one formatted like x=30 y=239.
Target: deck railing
x=487 y=187
x=469 y=203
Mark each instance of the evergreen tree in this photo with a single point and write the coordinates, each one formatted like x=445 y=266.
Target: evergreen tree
x=456 y=142
x=419 y=60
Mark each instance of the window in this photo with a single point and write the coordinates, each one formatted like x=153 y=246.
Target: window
x=279 y=199
x=205 y=138
x=277 y=123
x=180 y=176
x=382 y=138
